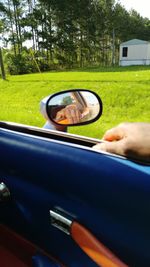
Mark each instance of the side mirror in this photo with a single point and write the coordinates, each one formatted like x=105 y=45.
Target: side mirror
x=74 y=107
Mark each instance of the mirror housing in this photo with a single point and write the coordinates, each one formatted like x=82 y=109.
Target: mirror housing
x=74 y=107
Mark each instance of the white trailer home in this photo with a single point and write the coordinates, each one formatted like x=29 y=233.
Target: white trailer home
x=134 y=52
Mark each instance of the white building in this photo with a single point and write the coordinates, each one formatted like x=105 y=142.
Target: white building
x=134 y=52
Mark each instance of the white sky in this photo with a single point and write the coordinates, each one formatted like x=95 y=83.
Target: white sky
x=141 y=6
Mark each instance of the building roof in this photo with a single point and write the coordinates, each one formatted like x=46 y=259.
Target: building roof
x=135 y=42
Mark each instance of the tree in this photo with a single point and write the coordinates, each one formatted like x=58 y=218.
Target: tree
x=69 y=33
x=2 y=65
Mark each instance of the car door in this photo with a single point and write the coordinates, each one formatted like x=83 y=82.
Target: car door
x=64 y=197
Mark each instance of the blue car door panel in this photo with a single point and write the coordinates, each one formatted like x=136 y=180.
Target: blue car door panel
x=107 y=195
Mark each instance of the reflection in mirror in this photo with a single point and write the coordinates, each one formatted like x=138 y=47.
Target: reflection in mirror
x=73 y=107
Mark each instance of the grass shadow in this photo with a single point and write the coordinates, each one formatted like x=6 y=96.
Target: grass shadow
x=112 y=69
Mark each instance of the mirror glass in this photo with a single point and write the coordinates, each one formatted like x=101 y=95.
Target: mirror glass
x=74 y=107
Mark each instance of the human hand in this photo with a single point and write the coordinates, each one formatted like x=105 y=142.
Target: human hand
x=71 y=113
x=128 y=139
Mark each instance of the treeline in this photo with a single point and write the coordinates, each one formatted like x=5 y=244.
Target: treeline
x=66 y=33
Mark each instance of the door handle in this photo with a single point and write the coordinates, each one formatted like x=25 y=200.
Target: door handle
x=4 y=192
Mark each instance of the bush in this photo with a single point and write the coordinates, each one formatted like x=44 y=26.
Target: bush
x=27 y=62
x=20 y=64
x=30 y=62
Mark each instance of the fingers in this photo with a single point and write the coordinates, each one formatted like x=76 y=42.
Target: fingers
x=73 y=115
x=70 y=115
x=116 y=138
x=111 y=147
x=78 y=115
x=60 y=115
x=128 y=139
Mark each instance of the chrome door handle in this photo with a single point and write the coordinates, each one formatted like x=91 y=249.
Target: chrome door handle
x=4 y=192
x=61 y=222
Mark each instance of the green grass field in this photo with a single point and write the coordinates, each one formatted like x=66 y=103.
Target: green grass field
x=125 y=92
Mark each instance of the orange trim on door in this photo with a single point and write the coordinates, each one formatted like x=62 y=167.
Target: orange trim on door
x=93 y=248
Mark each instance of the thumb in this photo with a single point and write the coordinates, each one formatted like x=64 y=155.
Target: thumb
x=114 y=134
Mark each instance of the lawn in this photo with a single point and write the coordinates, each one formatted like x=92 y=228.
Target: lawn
x=125 y=92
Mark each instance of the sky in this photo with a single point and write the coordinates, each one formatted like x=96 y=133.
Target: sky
x=141 y=6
